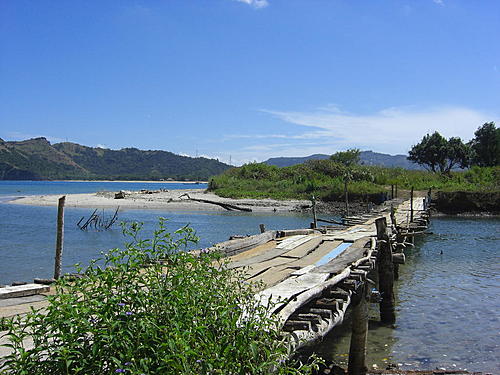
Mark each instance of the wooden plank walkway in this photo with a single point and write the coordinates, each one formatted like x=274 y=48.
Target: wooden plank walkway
x=311 y=279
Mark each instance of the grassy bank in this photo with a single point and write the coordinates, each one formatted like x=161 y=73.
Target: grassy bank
x=325 y=179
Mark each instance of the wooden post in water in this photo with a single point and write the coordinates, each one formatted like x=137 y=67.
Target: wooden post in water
x=262 y=228
x=315 y=219
x=392 y=191
x=359 y=335
x=411 y=205
x=385 y=273
x=346 y=198
x=60 y=237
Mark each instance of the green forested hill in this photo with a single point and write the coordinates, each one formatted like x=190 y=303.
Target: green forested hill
x=38 y=159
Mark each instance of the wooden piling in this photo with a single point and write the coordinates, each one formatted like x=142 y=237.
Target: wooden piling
x=346 y=198
x=315 y=219
x=386 y=273
x=411 y=205
x=262 y=228
x=359 y=335
x=60 y=237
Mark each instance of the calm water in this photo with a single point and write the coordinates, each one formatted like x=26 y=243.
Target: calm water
x=448 y=304
x=27 y=233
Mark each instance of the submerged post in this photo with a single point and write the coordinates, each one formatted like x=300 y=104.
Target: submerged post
x=60 y=237
x=385 y=273
x=262 y=228
x=359 y=335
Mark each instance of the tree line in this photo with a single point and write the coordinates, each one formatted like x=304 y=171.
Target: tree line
x=438 y=154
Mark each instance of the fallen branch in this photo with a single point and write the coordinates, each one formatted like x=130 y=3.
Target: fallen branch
x=229 y=207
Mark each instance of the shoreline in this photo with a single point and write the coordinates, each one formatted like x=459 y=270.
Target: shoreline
x=131 y=181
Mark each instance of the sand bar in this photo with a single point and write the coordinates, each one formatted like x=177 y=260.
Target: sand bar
x=173 y=200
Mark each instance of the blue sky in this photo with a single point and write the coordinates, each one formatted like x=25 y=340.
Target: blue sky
x=248 y=79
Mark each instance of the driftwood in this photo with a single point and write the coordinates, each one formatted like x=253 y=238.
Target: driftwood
x=98 y=221
x=227 y=206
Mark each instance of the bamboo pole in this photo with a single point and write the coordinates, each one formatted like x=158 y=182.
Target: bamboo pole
x=60 y=237
x=359 y=335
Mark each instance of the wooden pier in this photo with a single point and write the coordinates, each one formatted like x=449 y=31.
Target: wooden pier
x=313 y=277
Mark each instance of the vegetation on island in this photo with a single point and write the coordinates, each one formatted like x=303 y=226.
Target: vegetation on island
x=151 y=309
x=326 y=178
x=37 y=159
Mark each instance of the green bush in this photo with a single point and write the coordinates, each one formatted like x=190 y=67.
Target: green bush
x=150 y=309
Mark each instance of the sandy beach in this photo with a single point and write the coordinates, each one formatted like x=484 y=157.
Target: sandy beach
x=175 y=200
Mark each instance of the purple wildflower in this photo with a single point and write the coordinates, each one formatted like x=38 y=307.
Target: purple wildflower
x=128 y=313
x=198 y=361
x=121 y=304
x=119 y=370
x=127 y=363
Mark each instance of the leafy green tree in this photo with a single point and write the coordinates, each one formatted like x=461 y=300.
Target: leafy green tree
x=438 y=154
x=486 y=145
x=348 y=158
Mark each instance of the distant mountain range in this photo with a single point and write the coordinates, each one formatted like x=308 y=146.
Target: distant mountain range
x=366 y=158
x=37 y=159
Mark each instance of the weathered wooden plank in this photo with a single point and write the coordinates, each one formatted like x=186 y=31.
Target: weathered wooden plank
x=332 y=254
x=23 y=290
x=324 y=248
x=258 y=250
x=291 y=287
x=292 y=242
x=263 y=257
x=259 y=268
x=350 y=255
x=273 y=275
x=305 y=248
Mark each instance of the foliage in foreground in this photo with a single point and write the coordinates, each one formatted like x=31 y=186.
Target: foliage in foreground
x=133 y=314
x=325 y=179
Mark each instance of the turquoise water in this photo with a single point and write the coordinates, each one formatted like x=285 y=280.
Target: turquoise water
x=448 y=305
x=27 y=233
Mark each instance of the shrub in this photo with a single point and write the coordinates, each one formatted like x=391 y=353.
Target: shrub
x=150 y=309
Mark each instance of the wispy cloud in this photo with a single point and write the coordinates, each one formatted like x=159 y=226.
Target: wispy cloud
x=329 y=129
x=257 y=4
x=391 y=129
x=439 y=2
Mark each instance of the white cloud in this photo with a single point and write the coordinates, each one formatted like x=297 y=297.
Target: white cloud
x=257 y=4
x=439 y=2
x=389 y=130
x=329 y=129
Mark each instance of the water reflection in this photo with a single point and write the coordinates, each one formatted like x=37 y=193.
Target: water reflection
x=447 y=304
